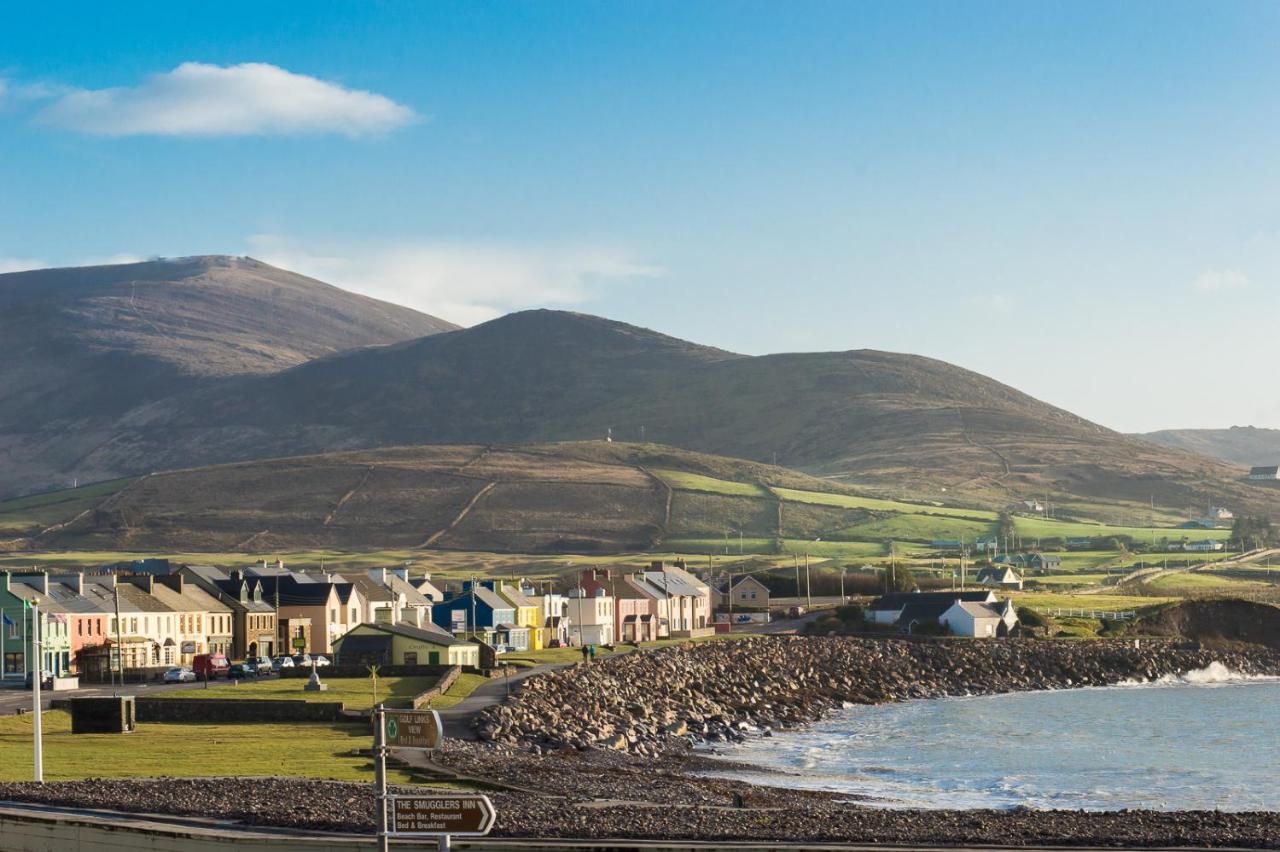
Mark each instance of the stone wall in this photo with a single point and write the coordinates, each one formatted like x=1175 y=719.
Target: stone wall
x=424 y=699
x=218 y=710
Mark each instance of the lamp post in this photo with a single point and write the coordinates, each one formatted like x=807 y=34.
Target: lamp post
x=37 y=673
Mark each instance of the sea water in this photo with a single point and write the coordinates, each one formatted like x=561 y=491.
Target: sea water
x=1207 y=740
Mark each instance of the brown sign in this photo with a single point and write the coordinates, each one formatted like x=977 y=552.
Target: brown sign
x=444 y=814
x=413 y=728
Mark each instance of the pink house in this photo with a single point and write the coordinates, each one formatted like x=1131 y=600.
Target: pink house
x=635 y=609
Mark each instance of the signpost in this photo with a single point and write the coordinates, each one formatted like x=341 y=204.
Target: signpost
x=431 y=816
x=413 y=728
x=420 y=816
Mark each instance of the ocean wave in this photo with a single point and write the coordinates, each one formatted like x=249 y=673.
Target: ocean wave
x=1213 y=674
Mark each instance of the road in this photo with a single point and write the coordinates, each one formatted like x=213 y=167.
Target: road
x=14 y=698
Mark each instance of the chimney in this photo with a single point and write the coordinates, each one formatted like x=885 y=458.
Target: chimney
x=379 y=575
x=402 y=572
x=280 y=565
x=37 y=581
x=72 y=581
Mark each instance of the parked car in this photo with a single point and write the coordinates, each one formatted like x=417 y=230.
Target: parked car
x=179 y=674
x=282 y=663
x=263 y=664
x=795 y=612
x=45 y=681
x=321 y=660
x=210 y=666
x=302 y=659
x=241 y=671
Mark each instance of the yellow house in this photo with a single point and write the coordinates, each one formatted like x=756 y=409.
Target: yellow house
x=528 y=614
x=403 y=644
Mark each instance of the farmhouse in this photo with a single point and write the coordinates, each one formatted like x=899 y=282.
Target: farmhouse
x=889 y=609
x=1265 y=472
x=982 y=620
x=1002 y=576
x=1207 y=545
x=747 y=592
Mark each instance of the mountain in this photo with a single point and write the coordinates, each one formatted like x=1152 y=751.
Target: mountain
x=84 y=346
x=892 y=424
x=1242 y=445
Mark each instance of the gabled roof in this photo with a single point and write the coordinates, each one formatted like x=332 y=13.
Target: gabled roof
x=434 y=635
x=516 y=597
x=370 y=588
x=412 y=597
x=923 y=611
x=1265 y=470
x=428 y=589
x=978 y=610
x=669 y=582
x=294 y=593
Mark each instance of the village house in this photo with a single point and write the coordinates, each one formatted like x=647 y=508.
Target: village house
x=979 y=620
x=1002 y=576
x=17 y=594
x=428 y=589
x=747 y=593
x=144 y=636
x=526 y=610
x=204 y=624
x=889 y=609
x=478 y=611
x=1207 y=545
x=370 y=601
x=593 y=617
x=1264 y=472
x=553 y=614
x=404 y=645
x=310 y=613
x=87 y=611
x=635 y=603
x=688 y=598
x=253 y=620
x=414 y=603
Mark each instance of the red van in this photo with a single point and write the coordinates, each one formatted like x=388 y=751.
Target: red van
x=210 y=666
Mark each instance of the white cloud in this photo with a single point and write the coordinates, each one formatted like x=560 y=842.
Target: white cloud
x=251 y=99
x=1219 y=280
x=20 y=264
x=462 y=282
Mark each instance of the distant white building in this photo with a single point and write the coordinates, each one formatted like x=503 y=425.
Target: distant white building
x=1265 y=472
x=980 y=620
x=1207 y=545
x=1218 y=513
x=591 y=618
x=999 y=575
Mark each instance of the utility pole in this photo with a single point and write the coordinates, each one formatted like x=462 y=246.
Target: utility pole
x=36 y=675
x=795 y=561
x=380 y=778
x=115 y=592
x=843 y=599
x=808 y=588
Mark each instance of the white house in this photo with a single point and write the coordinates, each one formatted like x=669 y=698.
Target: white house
x=688 y=599
x=999 y=575
x=1207 y=545
x=888 y=609
x=1265 y=472
x=591 y=618
x=982 y=620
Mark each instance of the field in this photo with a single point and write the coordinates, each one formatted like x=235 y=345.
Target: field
x=1186 y=582
x=1100 y=602
x=29 y=515
x=919 y=528
x=852 y=501
x=697 y=482
x=1053 y=528
x=155 y=750
x=354 y=693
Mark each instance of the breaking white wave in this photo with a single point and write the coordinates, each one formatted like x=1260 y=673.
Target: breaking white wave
x=1213 y=674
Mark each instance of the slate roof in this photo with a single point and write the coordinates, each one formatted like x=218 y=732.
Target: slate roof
x=435 y=636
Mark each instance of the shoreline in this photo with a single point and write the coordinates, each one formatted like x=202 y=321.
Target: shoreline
x=601 y=793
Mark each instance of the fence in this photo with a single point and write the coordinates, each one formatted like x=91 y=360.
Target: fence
x=1109 y=615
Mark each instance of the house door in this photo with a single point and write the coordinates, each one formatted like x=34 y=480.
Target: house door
x=434 y=658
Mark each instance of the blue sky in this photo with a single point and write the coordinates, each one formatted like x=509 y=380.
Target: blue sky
x=1082 y=200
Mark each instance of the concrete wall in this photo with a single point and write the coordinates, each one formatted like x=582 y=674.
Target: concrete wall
x=187 y=710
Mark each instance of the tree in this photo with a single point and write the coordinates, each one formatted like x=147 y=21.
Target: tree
x=898 y=580
x=1251 y=532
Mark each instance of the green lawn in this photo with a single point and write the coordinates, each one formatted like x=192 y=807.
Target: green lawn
x=922 y=528
x=1051 y=528
x=31 y=514
x=354 y=693
x=697 y=482
x=1102 y=602
x=298 y=750
x=851 y=501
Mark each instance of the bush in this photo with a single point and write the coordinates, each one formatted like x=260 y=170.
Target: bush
x=850 y=614
x=1031 y=618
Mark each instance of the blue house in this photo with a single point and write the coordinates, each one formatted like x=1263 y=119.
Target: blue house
x=476 y=610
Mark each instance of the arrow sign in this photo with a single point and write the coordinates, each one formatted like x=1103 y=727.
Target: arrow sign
x=432 y=816
x=413 y=728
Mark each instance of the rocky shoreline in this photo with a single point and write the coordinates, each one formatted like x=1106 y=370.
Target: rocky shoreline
x=556 y=774
x=651 y=703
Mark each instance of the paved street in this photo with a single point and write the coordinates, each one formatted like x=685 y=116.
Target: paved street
x=14 y=697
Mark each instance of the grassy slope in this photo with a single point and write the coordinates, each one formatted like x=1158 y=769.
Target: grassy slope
x=29 y=515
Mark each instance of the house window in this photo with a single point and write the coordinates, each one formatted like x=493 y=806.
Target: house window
x=333 y=616
x=133 y=625
x=410 y=658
